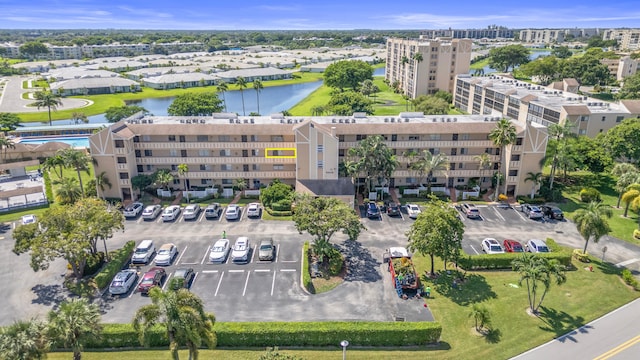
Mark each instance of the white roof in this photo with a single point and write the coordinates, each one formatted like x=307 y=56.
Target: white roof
x=398 y=251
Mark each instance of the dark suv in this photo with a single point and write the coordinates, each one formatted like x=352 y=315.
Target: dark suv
x=393 y=209
x=552 y=212
x=372 y=210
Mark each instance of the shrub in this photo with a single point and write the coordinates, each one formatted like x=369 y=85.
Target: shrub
x=84 y=287
x=502 y=197
x=48 y=186
x=336 y=261
x=503 y=261
x=553 y=245
x=589 y=194
x=94 y=262
x=522 y=199
x=278 y=213
x=580 y=256
x=629 y=279
x=282 y=205
x=636 y=234
x=119 y=259
x=306 y=275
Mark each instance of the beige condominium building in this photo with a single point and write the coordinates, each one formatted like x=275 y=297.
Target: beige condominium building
x=503 y=96
x=628 y=39
x=441 y=61
x=305 y=151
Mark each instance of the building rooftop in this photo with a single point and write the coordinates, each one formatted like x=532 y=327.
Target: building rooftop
x=92 y=83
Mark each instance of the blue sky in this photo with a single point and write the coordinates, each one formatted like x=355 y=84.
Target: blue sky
x=311 y=15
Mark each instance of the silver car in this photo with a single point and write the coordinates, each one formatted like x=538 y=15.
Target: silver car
x=191 y=212
x=233 y=212
x=123 y=281
x=266 y=250
x=151 y=212
x=240 y=252
x=219 y=251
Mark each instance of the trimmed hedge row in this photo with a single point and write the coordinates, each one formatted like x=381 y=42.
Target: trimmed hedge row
x=262 y=334
x=119 y=259
x=278 y=212
x=503 y=261
x=48 y=187
x=306 y=276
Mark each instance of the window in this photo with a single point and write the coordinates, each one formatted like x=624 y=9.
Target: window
x=619 y=118
x=465 y=136
x=454 y=152
x=394 y=137
x=434 y=136
x=460 y=180
x=203 y=152
x=340 y=152
x=515 y=157
x=360 y=137
x=584 y=118
x=183 y=153
x=255 y=152
x=341 y=138
x=278 y=167
x=226 y=167
x=513 y=172
x=174 y=167
x=227 y=182
x=205 y=181
x=582 y=132
x=320 y=164
x=205 y=167
x=243 y=138
x=172 y=138
x=138 y=153
x=254 y=138
x=277 y=138
x=255 y=167
x=224 y=138
x=460 y=166
x=176 y=181
x=414 y=137
x=136 y=139
x=182 y=138
x=123 y=176
x=140 y=168
x=225 y=152
x=146 y=138
x=119 y=144
x=452 y=166
x=148 y=153
x=464 y=151
x=203 y=138
x=320 y=148
x=149 y=167
x=454 y=137
x=518 y=141
x=122 y=160
x=604 y=118
x=173 y=152
x=411 y=180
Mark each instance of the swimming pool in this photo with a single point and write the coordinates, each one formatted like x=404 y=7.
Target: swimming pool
x=75 y=141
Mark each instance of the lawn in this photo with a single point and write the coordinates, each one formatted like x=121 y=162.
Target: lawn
x=479 y=64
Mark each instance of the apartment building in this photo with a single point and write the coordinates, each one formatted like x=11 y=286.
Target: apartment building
x=622 y=67
x=628 y=39
x=542 y=36
x=441 y=61
x=494 y=32
x=221 y=148
x=503 y=96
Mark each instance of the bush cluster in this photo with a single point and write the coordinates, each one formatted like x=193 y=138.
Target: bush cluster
x=94 y=262
x=636 y=234
x=629 y=279
x=119 y=259
x=523 y=199
x=589 y=194
x=48 y=187
x=278 y=213
x=503 y=261
x=306 y=275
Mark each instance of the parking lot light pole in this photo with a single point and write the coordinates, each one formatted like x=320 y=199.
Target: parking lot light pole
x=344 y=344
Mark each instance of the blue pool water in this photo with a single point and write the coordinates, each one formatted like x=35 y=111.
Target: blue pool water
x=78 y=141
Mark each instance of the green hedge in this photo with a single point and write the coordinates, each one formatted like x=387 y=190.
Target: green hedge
x=306 y=276
x=503 y=261
x=48 y=187
x=118 y=260
x=278 y=213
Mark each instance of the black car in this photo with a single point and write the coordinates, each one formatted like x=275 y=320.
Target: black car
x=372 y=210
x=552 y=212
x=393 y=209
x=182 y=278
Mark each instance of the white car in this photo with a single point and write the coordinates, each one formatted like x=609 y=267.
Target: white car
x=133 y=210
x=171 y=213
x=191 y=212
x=240 y=253
x=123 y=281
x=219 y=251
x=29 y=219
x=492 y=246
x=233 y=212
x=165 y=255
x=151 y=212
x=253 y=210
x=413 y=211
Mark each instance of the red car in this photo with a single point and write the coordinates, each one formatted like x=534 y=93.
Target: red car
x=151 y=278
x=512 y=246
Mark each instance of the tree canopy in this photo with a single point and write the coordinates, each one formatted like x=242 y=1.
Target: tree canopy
x=9 y=122
x=347 y=74
x=34 y=48
x=276 y=192
x=374 y=159
x=195 y=104
x=322 y=217
x=117 y=113
x=347 y=102
x=623 y=140
x=561 y=52
x=431 y=105
x=506 y=57
x=631 y=87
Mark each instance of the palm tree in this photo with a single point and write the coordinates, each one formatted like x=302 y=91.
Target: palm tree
x=77 y=160
x=534 y=270
x=240 y=184
x=536 y=179
x=102 y=182
x=24 y=340
x=183 y=315
x=75 y=322
x=627 y=174
x=241 y=83
x=257 y=86
x=317 y=110
x=183 y=170
x=49 y=100
x=6 y=144
x=223 y=88
x=503 y=135
x=480 y=315
x=484 y=162
x=633 y=191
x=349 y=168
x=54 y=163
x=427 y=163
x=417 y=57
x=562 y=131
x=374 y=158
x=162 y=178
x=68 y=192
x=591 y=222
x=79 y=117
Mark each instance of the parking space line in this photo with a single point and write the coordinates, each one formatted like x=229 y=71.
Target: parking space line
x=520 y=214
x=253 y=253
x=139 y=221
x=241 y=214
x=261 y=270
x=195 y=276
x=474 y=250
x=289 y=261
x=135 y=288
x=498 y=213
x=201 y=216
x=159 y=219
x=210 y=271
x=235 y=271
x=205 y=255
x=277 y=252
x=273 y=282
x=166 y=281
x=182 y=253
x=287 y=270
x=219 y=282
x=246 y=282
x=222 y=212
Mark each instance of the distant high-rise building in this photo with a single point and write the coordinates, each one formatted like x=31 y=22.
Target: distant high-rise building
x=628 y=39
x=493 y=32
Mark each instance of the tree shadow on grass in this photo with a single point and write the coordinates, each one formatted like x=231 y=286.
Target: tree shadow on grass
x=607 y=268
x=361 y=265
x=559 y=322
x=473 y=289
x=493 y=336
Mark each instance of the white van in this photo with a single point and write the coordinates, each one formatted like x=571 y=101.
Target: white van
x=143 y=253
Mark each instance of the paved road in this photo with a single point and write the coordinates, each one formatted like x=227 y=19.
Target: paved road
x=11 y=98
x=613 y=336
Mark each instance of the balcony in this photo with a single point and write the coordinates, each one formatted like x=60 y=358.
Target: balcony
x=452 y=158
x=418 y=144
x=214 y=160
x=122 y=167
x=241 y=175
x=211 y=145
x=512 y=179
x=120 y=151
x=514 y=164
x=124 y=182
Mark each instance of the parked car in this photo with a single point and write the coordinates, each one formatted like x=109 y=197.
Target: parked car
x=133 y=210
x=240 y=252
x=219 y=251
x=143 y=252
x=532 y=211
x=212 y=211
x=182 y=278
x=166 y=254
x=492 y=246
x=154 y=277
x=471 y=211
x=29 y=219
x=413 y=211
x=123 y=281
x=393 y=209
x=266 y=250
x=233 y=212
x=151 y=212
x=512 y=246
x=537 y=246
x=372 y=210
x=552 y=212
x=191 y=212
x=171 y=213
x=253 y=210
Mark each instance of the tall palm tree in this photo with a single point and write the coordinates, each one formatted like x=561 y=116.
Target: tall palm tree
x=79 y=117
x=559 y=132
x=241 y=83
x=536 y=179
x=257 y=86
x=75 y=322
x=484 y=162
x=24 y=340
x=183 y=170
x=183 y=315
x=535 y=271
x=222 y=89
x=591 y=222
x=633 y=191
x=503 y=135
x=375 y=159
x=427 y=163
x=77 y=160
x=349 y=168
x=162 y=178
x=102 y=182
x=240 y=184
x=6 y=144
x=54 y=163
x=68 y=192
x=49 y=100
x=627 y=174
